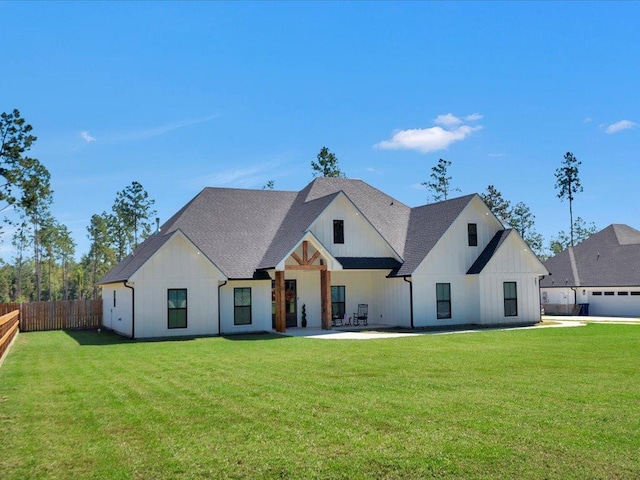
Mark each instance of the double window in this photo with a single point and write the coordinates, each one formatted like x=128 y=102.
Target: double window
x=177 y=307
x=337 y=301
x=338 y=231
x=242 y=306
x=443 y=298
x=472 y=234
x=510 y=299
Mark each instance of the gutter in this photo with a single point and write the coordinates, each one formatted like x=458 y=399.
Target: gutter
x=410 y=282
x=219 y=321
x=133 y=309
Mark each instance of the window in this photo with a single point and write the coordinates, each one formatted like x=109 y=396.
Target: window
x=510 y=299
x=177 y=307
x=597 y=293
x=337 y=301
x=472 y=232
x=114 y=298
x=623 y=293
x=635 y=293
x=338 y=231
x=443 y=297
x=242 y=306
x=608 y=294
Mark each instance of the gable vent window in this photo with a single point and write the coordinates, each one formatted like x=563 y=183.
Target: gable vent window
x=472 y=233
x=338 y=231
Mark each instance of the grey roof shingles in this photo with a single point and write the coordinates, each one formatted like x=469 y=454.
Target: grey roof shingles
x=427 y=224
x=609 y=258
x=244 y=231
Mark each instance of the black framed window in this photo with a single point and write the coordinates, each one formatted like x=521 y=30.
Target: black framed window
x=338 y=231
x=242 y=306
x=510 y=299
x=114 y=298
x=472 y=233
x=338 y=307
x=443 y=298
x=177 y=307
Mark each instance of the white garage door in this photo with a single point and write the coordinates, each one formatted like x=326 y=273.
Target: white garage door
x=620 y=302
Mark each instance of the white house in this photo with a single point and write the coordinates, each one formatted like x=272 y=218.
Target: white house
x=235 y=260
x=602 y=272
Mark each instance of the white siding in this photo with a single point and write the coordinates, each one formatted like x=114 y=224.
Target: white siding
x=448 y=262
x=178 y=264
x=260 y=306
x=512 y=262
x=118 y=317
x=360 y=238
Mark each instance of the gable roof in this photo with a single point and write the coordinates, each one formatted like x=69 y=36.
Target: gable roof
x=427 y=224
x=246 y=231
x=609 y=258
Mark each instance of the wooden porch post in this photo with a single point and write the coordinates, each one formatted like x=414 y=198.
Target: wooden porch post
x=281 y=324
x=325 y=298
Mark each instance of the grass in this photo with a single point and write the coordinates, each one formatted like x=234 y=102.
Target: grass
x=548 y=403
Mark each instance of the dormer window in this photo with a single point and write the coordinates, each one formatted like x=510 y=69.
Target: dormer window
x=472 y=233
x=338 y=231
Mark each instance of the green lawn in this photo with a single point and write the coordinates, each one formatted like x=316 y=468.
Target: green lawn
x=546 y=403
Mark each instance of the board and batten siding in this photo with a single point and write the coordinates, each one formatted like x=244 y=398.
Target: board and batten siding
x=118 y=317
x=177 y=265
x=512 y=262
x=260 y=306
x=360 y=238
x=451 y=258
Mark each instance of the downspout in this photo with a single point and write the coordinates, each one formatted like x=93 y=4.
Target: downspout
x=219 y=321
x=133 y=309
x=410 y=282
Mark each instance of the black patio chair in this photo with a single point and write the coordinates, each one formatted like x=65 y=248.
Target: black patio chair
x=363 y=314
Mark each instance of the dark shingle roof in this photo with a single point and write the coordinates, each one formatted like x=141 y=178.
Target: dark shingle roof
x=244 y=231
x=427 y=224
x=609 y=258
x=489 y=250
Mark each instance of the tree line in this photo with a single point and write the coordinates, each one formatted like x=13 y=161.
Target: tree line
x=44 y=264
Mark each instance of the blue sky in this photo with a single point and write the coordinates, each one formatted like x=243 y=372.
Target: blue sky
x=179 y=96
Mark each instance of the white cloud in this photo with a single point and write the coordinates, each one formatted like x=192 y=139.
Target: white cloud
x=473 y=117
x=86 y=137
x=621 y=125
x=495 y=155
x=447 y=120
x=433 y=138
x=426 y=139
x=587 y=120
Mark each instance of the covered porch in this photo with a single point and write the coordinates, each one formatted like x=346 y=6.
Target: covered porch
x=315 y=286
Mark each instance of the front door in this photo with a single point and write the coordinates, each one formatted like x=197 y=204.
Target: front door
x=290 y=304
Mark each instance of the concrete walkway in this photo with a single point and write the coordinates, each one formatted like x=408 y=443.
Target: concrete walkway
x=372 y=332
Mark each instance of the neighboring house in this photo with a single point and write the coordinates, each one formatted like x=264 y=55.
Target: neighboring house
x=236 y=260
x=603 y=271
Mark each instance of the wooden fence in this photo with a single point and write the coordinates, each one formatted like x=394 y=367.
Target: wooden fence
x=60 y=315
x=8 y=330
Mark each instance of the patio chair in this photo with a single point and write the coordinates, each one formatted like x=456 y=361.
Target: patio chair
x=362 y=315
